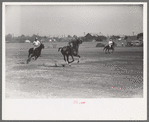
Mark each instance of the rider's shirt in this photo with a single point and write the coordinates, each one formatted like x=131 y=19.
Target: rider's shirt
x=36 y=43
x=110 y=43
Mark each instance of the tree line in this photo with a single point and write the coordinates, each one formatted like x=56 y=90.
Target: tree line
x=87 y=37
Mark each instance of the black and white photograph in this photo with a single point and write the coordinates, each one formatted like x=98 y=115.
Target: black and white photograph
x=79 y=54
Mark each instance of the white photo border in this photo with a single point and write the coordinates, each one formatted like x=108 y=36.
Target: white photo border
x=64 y=109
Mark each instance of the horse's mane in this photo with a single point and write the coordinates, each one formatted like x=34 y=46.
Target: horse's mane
x=41 y=45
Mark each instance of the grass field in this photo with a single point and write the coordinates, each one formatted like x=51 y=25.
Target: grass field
x=98 y=75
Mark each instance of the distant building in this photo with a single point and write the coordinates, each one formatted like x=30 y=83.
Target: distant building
x=27 y=41
x=89 y=37
x=133 y=41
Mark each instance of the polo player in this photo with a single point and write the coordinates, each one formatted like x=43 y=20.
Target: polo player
x=110 y=43
x=36 y=44
x=73 y=45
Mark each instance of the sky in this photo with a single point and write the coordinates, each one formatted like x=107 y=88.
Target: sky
x=57 y=20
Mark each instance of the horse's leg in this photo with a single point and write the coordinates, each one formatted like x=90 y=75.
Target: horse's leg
x=36 y=57
x=113 y=49
x=29 y=58
x=65 y=58
x=68 y=60
x=78 y=58
x=32 y=56
x=29 y=55
x=72 y=59
x=103 y=48
x=106 y=51
x=30 y=52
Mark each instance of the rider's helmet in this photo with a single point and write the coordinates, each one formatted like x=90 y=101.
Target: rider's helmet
x=36 y=38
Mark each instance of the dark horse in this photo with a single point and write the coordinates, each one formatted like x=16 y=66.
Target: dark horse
x=36 y=53
x=71 y=50
x=107 y=48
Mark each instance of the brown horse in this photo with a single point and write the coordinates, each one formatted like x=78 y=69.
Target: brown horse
x=71 y=50
x=36 y=53
x=107 y=48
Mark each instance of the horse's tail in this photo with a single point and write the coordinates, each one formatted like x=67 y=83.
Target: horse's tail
x=59 y=49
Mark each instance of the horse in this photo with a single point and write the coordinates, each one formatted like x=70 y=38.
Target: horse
x=36 y=54
x=71 y=51
x=107 y=48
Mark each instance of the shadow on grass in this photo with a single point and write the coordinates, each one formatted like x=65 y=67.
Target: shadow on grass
x=51 y=65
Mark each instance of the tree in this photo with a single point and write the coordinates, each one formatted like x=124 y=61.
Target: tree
x=44 y=37
x=74 y=36
x=140 y=35
x=22 y=36
x=115 y=37
x=69 y=36
x=9 y=37
x=125 y=37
